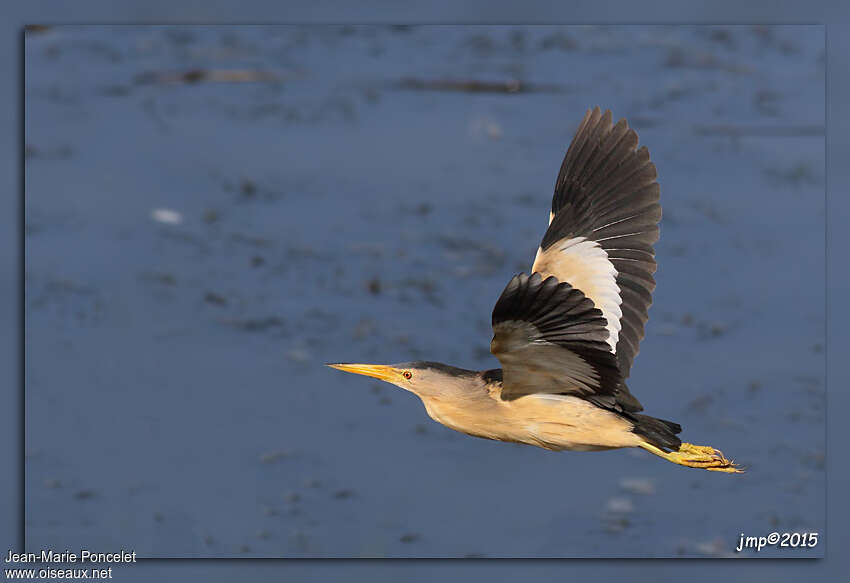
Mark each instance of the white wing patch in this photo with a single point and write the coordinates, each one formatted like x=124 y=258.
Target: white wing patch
x=585 y=265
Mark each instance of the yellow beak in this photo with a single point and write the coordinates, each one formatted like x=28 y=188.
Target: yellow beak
x=378 y=371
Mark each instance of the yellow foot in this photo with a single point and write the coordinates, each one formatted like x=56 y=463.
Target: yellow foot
x=696 y=456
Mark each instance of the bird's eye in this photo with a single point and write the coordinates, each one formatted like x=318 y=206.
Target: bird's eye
x=407 y=374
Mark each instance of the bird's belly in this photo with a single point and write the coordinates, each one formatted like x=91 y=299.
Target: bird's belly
x=564 y=436
x=553 y=422
x=565 y=422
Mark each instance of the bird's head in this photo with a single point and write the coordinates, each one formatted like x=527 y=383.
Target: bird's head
x=426 y=379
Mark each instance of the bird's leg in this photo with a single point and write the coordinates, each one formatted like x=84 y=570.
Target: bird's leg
x=696 y=456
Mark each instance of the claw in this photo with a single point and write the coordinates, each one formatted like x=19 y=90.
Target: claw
x=697 y=456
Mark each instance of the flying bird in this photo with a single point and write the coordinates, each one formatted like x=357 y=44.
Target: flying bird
x=567 y=334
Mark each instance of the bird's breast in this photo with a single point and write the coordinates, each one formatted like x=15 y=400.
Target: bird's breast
x=479 y=418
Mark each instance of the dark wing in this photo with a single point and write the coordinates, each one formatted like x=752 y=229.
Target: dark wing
x=550 y=338
x=602 y=228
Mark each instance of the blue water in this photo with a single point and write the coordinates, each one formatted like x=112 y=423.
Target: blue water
x=176 y=399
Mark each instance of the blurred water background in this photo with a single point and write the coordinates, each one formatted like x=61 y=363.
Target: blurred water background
x=212 y=213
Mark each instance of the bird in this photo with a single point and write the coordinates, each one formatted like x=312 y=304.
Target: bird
x=567 y=333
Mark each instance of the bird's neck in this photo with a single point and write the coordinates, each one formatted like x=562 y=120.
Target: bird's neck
x=465 y=410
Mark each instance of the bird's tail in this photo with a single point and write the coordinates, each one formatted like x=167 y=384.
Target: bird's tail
x=658 y=432
x=696 y=456
x=659 y=438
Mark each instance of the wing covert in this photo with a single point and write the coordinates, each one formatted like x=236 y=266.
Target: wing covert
x=550 y=338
